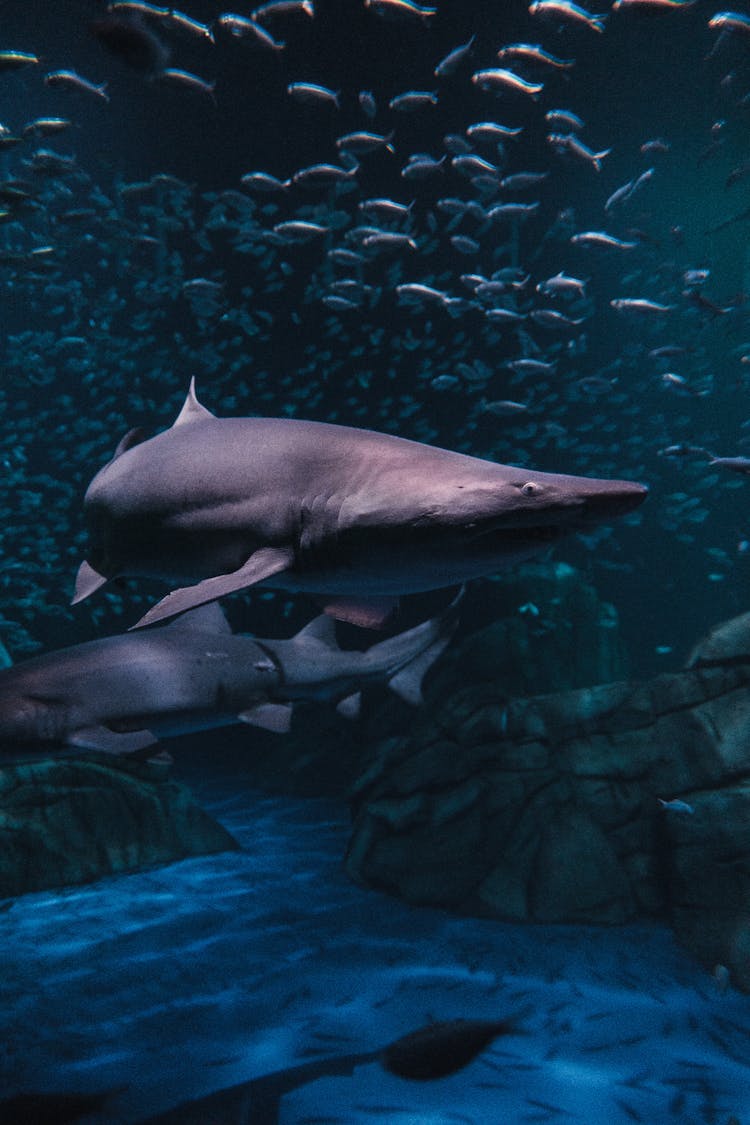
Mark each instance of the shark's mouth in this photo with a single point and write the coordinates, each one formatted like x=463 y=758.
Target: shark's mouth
x=509 y=536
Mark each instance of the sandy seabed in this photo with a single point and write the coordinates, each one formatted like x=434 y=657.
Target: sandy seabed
x=177 y=982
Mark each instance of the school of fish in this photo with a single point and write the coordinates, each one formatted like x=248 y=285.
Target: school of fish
x=463 y=264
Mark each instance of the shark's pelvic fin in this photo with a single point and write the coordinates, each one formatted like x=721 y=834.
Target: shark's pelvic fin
x=87 y=581
x=110 y=741
x=192 y=411
x=368 y=613
x=270 y=716
x=261 y=564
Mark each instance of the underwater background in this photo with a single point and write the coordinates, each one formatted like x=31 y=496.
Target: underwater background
x=138 y=249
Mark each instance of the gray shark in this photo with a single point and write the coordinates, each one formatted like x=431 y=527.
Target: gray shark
x=120 y=694
x=353 y=516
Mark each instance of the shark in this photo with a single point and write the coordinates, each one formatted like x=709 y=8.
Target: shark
x=355 y=517
x=122 y=694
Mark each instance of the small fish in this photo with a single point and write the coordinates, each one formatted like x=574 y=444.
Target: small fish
x=421 y=165
x=567 y=10
x=442 y=1048
x=324 y=174
x=535 y=53
x=14 y=60
x=676 y=805
x=551 y=318
x=387 y=207
x=240 y=26
x=46 y=126
x=413 y=100
x=313 y=94
x=500 y=78
x=138 y=8
x=640 y=305
x=566 y=117
x=512 y=210
x=734 y=464
x=504 y=407
x=531 y=367
x=570 y=143
x=601 y=238
x=178 y=77
x=364 y=141
x=263 y=182
x=656 y=145
x=388 y=240
x=470 y=164
x=452 y=61
x=562 y=283
x=297 y=230
x=69 y=80
x=284 y=8
x=367 y=103
x=188 y=24
x=520 y=181
x=492 y=131
x=730 y=21
x=397 y=9
x=649 y=6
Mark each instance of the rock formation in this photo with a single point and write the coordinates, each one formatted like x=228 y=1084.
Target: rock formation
x=66 y=821
x=546 y=808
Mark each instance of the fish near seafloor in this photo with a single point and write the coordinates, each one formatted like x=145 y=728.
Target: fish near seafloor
x=443 y=1047
x=120 y=694
x=346 y=514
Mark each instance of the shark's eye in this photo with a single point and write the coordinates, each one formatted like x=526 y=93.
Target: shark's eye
x=530 y=488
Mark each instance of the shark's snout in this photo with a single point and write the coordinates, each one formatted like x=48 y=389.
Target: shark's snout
x=612 y=499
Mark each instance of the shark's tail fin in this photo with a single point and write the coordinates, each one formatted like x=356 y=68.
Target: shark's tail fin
x=412 y=653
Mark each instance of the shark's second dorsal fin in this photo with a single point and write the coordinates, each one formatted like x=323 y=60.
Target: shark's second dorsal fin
x=192 y=411
x=131 y=438
x=321 y=628
x=208 y=618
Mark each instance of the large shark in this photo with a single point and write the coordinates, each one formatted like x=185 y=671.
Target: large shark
x=354 y=516
x=120 y=694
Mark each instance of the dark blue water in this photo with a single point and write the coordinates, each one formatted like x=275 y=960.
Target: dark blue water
x=100 y=334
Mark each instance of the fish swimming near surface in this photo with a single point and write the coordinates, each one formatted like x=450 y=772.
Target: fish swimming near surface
x=120 y=694
x=350 y=515
x=443 y=1047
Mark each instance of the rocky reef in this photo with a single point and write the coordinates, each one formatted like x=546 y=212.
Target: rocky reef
x=65 y=821
x=601 y=804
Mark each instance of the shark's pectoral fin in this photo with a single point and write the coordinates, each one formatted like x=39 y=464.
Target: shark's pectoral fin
x=368 y=613
x=87 y=581
x=261 y=564
x=111 y=741
x=270 y=716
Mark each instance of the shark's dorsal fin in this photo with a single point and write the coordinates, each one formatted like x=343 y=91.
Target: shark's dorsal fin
x=131 y=438
x=87 y=581
x=322 y=629
x=192 y=411
x=207 y=618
